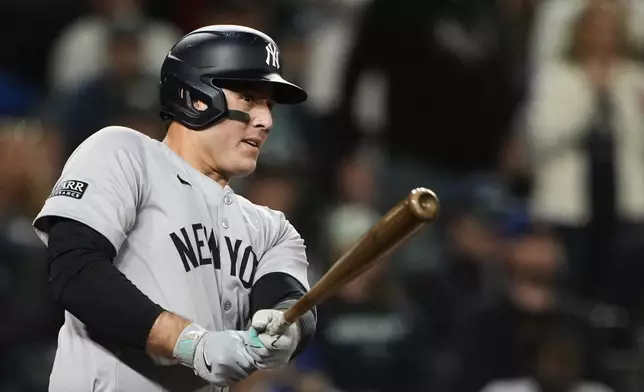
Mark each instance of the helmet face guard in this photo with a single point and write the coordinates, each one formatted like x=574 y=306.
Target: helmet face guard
x=223 y=54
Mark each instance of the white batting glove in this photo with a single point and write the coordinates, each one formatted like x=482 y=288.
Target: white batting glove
x=271 y=341
x=221 y=358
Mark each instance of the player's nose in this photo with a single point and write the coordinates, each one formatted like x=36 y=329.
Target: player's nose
x=263 y=118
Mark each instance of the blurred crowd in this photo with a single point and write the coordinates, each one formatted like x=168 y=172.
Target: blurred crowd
x=526 y=117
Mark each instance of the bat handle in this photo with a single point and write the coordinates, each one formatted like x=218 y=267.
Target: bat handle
x=298 y=309
x=278 y=325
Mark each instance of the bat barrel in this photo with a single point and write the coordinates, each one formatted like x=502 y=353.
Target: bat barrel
x=395 y=228
x=424 y=204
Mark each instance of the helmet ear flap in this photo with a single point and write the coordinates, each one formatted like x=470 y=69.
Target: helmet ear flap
x=194 y=105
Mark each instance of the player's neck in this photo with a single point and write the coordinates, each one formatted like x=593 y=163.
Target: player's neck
x=194 y=158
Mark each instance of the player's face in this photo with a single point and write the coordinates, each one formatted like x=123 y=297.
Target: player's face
x=233 y=146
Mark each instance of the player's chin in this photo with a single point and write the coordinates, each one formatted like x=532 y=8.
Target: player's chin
x=245 y=166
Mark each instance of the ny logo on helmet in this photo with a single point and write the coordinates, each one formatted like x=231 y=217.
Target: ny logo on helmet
x=272 y=55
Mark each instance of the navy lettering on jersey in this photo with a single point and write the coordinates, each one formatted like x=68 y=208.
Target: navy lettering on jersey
x=197 y=246
x=197 y=229
x=214 y=249
x=248 y=252
x=184 y=248
x=233 y=251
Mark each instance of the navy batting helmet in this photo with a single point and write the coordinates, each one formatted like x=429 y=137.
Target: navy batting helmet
x=208 y=58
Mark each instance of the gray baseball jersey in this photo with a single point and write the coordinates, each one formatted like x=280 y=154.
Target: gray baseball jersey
x=191 y=245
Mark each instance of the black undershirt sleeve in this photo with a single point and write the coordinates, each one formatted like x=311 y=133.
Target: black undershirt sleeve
x=84 y=281
x=279 y=290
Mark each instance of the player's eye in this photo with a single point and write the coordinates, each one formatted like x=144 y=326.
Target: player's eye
x=248 y=97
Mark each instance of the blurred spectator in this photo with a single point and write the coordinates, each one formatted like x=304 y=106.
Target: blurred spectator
x=332 y=38
x=586 y=135
x=28 y=162
x=558 y=366
x=122 y=94
x=357 y=180
x=501 y=339
x=82 y=49
x=275 y=187
x=354 y=189
x=555 y=16
x=453 y=82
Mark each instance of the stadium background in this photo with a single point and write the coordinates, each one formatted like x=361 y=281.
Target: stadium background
x=504 y=107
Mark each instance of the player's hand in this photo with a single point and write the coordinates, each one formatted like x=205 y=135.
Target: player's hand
x=221 y=358
x=271 y=340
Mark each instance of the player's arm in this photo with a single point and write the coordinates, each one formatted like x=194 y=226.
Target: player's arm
x=84 y=222
x=88 y=285
x=84 y=280
x=282 y=280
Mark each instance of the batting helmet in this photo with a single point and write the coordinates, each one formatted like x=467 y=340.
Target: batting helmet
x=210 y=57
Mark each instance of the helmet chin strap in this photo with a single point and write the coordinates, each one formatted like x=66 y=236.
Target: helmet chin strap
x=238 y=115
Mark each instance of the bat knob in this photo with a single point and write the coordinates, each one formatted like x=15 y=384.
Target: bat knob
x=424 y=204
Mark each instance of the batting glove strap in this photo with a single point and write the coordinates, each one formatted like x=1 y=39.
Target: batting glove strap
x=184 y=349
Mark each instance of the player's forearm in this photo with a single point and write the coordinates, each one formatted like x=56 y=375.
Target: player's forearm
x=164 y=334
x=84 y=281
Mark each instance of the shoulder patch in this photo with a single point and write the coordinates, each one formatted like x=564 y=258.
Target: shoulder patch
x=70 y=188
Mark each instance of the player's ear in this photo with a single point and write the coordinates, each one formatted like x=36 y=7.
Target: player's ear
x=195 y=103
x=200 y=105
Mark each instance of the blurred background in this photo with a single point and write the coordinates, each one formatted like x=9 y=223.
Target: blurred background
x=526 y=117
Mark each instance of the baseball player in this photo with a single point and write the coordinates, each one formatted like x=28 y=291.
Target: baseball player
x=171 y=281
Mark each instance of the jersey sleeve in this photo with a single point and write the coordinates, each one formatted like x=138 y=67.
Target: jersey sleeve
x=101 y=185
x=286 y=251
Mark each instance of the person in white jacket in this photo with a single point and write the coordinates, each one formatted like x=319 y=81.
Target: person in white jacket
x=588 y=107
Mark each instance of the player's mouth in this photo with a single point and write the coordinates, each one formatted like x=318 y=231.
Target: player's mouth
x=253 y=142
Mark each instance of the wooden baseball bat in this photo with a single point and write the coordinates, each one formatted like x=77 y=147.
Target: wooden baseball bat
x=400 y=223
